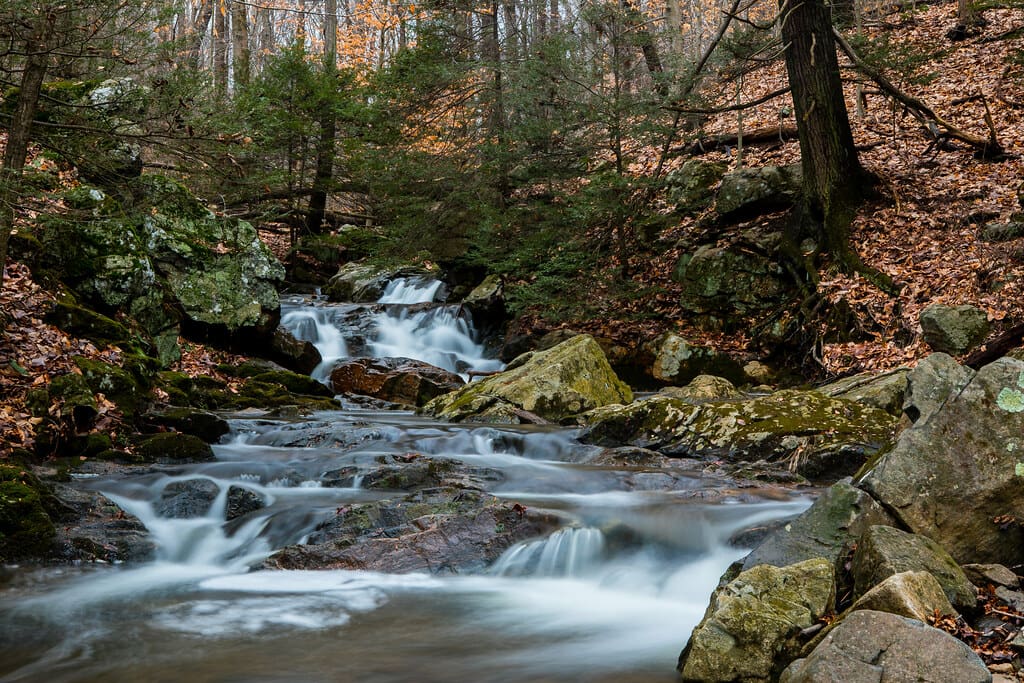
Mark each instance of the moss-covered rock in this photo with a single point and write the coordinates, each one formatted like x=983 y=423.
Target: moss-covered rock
x=748 y=631
x=884 y=391
x=75 y=398
x=691 y=187
x=210 y=393
x=80 y=321
x=201 y=423
x=294 y=382
x=677 y=361
x=560 y=382
x=117 y=384
x=914 y=594
x=173 y=447
x=26 y=529
x=820 y=437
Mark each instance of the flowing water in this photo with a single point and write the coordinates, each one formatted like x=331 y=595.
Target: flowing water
x=612 y=596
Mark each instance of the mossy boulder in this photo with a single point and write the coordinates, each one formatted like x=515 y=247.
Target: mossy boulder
x=201 y=423
x=748 y=631
x=210 y=393
x=75 y=398
x=172 y=447
x=677 y=361
x=961 y=465
x=560 y=382
x=691 y=186
x=954 y=329
x=747 y=191
x=883 y=551
x=719 y=283
x=294 y=382
x=703 y=389
x=817 y=436
x=80 y=321
x=26 y=528
x=116 y=383
x=163 y=258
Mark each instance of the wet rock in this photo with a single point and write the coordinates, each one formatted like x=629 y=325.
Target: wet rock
x=884 y=391
x=295 y=354
x=954 y=329
x=870 y=646
x=828 y=529
x=676 y=361
x=917 y=595
x=100 y=530
x=241 y=501
x=295 y=383
x=820 y=437
x=186 y=499
x=436 y=530
x=360 y=282
x=748 y=631
x=704 y=388
x=414 y=472
x=26 y=527
x=753 y=190
x=172 y=447
x=883 y=551
x=950 y=475
x=563 y=381
x=399 y=380
x=486 y=303
x=200 y=423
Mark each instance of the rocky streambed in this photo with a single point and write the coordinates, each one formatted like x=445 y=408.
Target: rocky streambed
x=538 y=524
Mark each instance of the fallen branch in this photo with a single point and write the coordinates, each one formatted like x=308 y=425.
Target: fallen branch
x=997 y=348
x=759 y=136
x=986 y=148
x=734 y=107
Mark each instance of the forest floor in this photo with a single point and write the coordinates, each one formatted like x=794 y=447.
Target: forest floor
x=924 y=230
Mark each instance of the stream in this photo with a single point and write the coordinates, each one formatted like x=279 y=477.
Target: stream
x=580 y=604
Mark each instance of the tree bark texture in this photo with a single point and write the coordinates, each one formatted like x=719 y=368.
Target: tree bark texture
x=240 y=53
x=328 y=123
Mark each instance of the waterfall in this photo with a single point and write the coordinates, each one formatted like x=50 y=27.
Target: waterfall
x=568 y=552
x=409 y=326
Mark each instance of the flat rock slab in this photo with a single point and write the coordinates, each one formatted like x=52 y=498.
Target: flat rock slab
x=877 y=647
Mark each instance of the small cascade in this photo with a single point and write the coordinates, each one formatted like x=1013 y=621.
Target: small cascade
x=316 y=325
x=570 y=552
x=410 y=291
x=407 y=327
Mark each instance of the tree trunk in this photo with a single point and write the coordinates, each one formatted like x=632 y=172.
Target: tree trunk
x=240 y=54
x=19 y=131
x=834 y=182
x=204 y=12
x=328 y=123
x=220 y=49
x=491 y=51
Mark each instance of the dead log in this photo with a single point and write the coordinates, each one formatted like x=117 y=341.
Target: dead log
x=997 y=348
x=759 y=136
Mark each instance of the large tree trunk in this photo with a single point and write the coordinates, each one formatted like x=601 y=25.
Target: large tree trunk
x=834 y=182
x=328 y=124
x=220 y=49
x=491 y=51
x=19 y=131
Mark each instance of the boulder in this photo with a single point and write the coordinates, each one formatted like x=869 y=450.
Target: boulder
x=954 y=329
x=718 y=283
x=691 y=186
x=26 y=527
x=114 y=382
x=676 y=361
x=560 y=382
x=935 y=379
x=399 y=380
x=186 y=499
x=749 y=191
x=1002 y=232
x=704 y=388
x=173 y=447
x=163 y=258
x=883 y=551
x=982 y=575
x=448 y=530
x=884 y=391
x=748 y=631
x=201 y=423
x=871 y=647
x=917 y=595
x=950 y=475
x=297 y=355
x=360 y=282
x=828 y=529
x=242 y=501
x=818 y=437
x=99 y=530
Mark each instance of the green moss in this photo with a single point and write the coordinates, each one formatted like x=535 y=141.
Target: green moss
x=173 y=447
x=117 y=384
x=26 y=530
